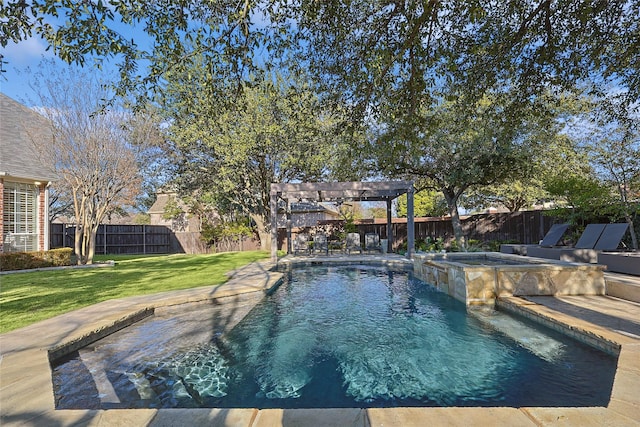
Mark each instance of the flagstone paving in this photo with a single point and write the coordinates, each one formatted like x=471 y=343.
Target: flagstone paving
x=26 y=392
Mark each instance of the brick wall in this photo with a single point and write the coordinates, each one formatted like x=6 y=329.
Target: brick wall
x=1 y=214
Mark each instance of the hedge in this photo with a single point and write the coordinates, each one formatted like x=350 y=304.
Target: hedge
x=39 y=259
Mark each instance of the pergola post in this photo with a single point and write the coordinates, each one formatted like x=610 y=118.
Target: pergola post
x=273 y=205
x=411 y=230
x=390 y=236
x=340 y=191
x=288 y=225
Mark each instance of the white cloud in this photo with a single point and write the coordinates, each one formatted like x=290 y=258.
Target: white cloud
x=26 y=52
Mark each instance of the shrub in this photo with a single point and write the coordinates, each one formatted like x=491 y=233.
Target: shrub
x=494 y=245
x=474 y=245
x=225 y=232
x=430 y=244
x=39 y=259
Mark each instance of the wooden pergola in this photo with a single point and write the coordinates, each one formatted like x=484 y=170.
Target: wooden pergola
x=342 y=191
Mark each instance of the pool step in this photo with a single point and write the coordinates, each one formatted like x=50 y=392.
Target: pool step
x=623 y=287
x=545 y=347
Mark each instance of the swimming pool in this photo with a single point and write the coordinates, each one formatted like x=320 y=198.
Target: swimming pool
x=337 y=336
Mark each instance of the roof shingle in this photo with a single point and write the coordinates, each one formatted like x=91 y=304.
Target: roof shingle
x=19 y=127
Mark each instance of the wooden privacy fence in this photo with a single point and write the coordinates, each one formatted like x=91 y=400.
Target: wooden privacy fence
x=526 y=227
x=144 y=239
x=523 y=227
x=191 y=243
x=119 y=239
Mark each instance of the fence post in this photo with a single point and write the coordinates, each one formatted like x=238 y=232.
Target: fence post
x=104 y=239
x=144 y=239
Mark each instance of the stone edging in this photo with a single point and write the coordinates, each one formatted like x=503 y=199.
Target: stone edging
x=591 y=336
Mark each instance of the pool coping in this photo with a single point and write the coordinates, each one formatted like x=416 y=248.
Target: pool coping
x=26 y=391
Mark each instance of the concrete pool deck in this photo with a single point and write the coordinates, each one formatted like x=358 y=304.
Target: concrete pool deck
x=26 y=390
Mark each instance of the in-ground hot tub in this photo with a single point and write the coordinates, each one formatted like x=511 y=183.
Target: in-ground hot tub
x=479 y=278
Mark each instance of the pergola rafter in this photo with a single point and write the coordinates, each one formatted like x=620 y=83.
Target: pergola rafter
x=385 y=191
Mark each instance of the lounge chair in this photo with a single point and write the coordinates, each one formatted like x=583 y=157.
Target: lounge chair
x=353 y=243
x=554 y=235
x=550 y=240
x=590 y=236
x=611 y=237
x=301 y=244
x=372 y=242
x=594 y=239
x=320 y=244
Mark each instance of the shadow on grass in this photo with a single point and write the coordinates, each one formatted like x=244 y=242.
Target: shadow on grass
x=30 y=297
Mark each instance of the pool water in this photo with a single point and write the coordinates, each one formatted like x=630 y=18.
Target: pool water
x=337 y=336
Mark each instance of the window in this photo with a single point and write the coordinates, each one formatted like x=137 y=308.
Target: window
x=20 y=217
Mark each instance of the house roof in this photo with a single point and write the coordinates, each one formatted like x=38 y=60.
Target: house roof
x=158 y=206
x=162 y=199
x=19 y=127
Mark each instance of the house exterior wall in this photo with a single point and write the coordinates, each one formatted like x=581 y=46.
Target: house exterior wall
x=183 y=222
x=2 y=214
x=25 y=176
x=24 y=230
x=305 y=219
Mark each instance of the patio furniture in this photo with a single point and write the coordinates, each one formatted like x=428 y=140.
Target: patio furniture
x=372 y=242
x=554 y=235
x=594 y=239
x=622 y=262
x=336 y=245
x=320 y=244
x=590 y=236
x=301 y=244
x=611 y=237
x=551 y=239
x=353 y=243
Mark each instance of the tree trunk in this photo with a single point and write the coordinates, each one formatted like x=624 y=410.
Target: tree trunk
x=91 y=246
x=452 y=203
x=86 y=242
x=634 y=238
x=77 y=243
x=264 y=232
x=85 y=239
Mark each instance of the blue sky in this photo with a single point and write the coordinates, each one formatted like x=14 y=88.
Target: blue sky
x=14 y=82
x=26 y=54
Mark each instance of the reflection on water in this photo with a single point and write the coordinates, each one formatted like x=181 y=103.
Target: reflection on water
x=340 y=337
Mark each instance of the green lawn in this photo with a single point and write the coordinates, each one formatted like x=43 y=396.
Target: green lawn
x=26 y=298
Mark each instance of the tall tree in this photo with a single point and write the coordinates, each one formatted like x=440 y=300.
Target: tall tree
x=92 y=151
x=387 y=60
x=556 y=156
x=272 y=131
x=613 y=144
x=401 y=53
x=425 y=203
x=60 y=203
x=515 y=195
x=454 y=148
x=363 y=49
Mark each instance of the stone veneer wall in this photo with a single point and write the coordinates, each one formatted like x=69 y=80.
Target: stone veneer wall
x=551 y=280
x=482 y=284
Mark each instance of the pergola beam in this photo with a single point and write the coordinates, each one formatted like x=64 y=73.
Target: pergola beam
x=344 y=191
